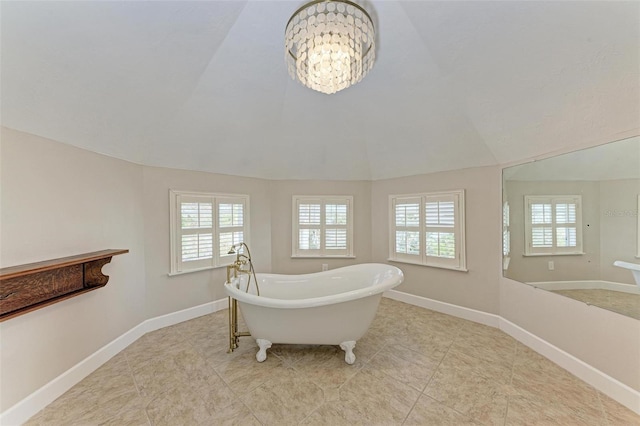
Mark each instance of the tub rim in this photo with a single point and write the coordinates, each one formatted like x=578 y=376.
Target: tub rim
x=390 y=282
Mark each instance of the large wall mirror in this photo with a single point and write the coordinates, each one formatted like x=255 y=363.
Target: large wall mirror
x=568 y=219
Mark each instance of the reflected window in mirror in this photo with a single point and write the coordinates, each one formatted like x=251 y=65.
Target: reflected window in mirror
x=553 y=225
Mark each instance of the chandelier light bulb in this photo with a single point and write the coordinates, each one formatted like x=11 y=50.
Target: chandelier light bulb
x=329 y=45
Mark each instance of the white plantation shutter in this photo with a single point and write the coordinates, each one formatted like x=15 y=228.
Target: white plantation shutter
x=443 y=230
x=428 y=229
x=309 y=226
x=506 y=231
x=322 y=226
x=230 y=224
x=203 y=228
x=336 y=227
x=440 y=221
x=195 y=231
x=407 y=227
x=553 y=224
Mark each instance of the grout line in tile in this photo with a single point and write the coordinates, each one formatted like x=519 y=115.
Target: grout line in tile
x=429 y=381
x=135 y=383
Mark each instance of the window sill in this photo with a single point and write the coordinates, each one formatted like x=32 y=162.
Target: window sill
x=429 y=266
x=552 y=254
x=208 y=268
x=323 y=257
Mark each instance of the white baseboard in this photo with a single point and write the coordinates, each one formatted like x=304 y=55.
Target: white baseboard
x=32 y=404
x=185 y=315
x=445 y=308
x=606 y=384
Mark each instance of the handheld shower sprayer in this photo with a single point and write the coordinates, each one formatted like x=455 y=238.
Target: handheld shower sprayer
x=242 y=259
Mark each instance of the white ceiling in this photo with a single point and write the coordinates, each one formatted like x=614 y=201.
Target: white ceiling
x=203 y=85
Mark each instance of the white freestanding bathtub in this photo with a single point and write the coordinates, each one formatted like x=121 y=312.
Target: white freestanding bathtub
x=333 y=307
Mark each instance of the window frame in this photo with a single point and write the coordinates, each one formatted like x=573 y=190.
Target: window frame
x=218 y=259
x=554 y=250
x=322 y=252
x=459 y=262
x=638 y=229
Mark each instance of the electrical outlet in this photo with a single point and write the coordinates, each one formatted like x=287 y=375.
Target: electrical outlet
x=551 y=265
x=325 y=266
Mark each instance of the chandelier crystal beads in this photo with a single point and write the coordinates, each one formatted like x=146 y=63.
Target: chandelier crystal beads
x=329 y=45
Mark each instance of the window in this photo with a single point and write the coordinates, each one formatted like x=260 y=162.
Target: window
x=506 y=231
x=553 y=224
x=428 y=229
x=638 y=228
x=204 y=227
x=322 y=226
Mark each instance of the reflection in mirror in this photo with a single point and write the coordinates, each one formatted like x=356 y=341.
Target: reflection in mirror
x=567 y=219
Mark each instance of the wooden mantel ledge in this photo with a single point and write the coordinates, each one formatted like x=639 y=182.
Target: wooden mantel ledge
x=24 y=288
x=30 y=268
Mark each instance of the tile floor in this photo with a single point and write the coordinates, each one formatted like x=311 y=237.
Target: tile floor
x=623 y=303
x=413 y=367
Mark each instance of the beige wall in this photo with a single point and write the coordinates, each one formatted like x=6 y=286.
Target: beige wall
x=58 y=201
x=477 y=288
x=281 y=198
x=566 y=268
x=166 y=293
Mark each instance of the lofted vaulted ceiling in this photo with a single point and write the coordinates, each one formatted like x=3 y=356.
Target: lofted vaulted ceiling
x=203 y=85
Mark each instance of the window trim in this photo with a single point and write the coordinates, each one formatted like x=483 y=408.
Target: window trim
x=218 y=260
x=322 y=253
x=554 y=250
x=422 y=259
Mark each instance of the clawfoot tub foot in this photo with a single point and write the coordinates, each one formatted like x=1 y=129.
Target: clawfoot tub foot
x=347 y=347
x=262 y=353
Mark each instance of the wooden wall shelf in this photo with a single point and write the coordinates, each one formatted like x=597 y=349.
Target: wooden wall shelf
x=25 y=288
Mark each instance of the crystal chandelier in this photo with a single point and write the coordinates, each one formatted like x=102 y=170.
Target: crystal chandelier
x=329 y=45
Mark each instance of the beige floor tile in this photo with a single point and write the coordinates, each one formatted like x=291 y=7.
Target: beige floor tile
x=183 y=375
x=158 y=376
x=489 y=344
x=290 y=354
x=368 y=346
x=339 y=413
x=69 y=409
x=325 y=366
x=231 y=415
x=178 y=406
x=377 y=397
x=617 y=414
x=434 y=344
x=497 y=369
x=407 y=366
x=243 y=373
x=562 y=394
x=428 y=411
x=134 y=417
x=525 y=411
x=482 y=399
x=285 y=399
